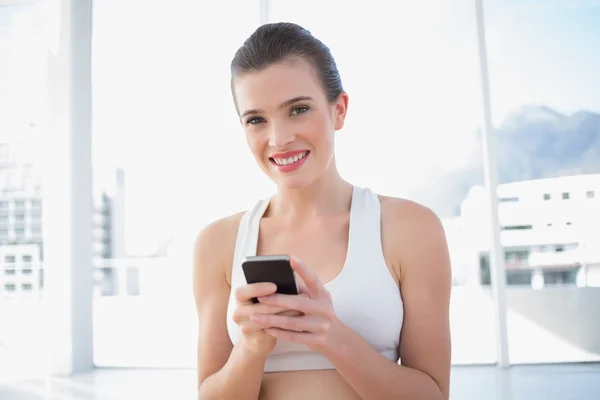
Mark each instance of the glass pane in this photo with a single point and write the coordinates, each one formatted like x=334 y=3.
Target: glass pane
x=162 y=107
x=413 y=82
x=23 y=348
x=544 y=64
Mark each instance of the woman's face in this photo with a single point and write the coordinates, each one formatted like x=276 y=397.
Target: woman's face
x=288 y=121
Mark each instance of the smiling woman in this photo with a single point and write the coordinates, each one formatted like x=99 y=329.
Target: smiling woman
x=371 y=319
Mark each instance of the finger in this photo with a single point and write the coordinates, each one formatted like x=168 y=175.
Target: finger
x=301 y=285
x=245 y=293
x=299 y=324
x=314 y=287
x=260 y=308
x=248 y=327
x=297 y=302
x=309 y=339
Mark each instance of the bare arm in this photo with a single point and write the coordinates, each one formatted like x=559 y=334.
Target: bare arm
x=225 y=371
x=425 y=338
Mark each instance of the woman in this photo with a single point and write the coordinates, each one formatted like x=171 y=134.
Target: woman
x=371 y=321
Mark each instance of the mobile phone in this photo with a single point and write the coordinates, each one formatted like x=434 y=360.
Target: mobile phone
x=274 y=268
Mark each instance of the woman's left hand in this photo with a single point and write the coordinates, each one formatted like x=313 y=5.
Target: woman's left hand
x=316 y=325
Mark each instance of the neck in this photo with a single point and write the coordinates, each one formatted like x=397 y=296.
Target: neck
x=329 y=194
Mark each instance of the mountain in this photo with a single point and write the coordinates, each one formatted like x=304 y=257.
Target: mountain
x=533 y=142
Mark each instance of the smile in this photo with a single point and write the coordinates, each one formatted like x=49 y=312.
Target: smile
x=289 y=160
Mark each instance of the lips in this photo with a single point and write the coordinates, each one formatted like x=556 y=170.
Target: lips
x=289 y=161
x=288 y=158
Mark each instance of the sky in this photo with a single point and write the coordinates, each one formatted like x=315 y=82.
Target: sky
x=163 y=110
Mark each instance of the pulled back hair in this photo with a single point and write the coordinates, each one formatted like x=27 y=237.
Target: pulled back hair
x=275 y=42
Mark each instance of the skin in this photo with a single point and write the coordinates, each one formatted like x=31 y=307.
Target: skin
x=309 y=218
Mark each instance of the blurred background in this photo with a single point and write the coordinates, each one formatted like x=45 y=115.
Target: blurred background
x=128 y=102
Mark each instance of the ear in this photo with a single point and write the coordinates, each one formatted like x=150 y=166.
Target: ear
x=340 y=110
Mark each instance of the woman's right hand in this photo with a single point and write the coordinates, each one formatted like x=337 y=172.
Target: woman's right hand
x=253 y=336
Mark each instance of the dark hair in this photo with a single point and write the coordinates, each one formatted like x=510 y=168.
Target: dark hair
x=275 y=42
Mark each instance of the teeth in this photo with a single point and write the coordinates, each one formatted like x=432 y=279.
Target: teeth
x=290 y=160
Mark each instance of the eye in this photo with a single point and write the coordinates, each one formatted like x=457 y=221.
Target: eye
x=254 y=121
x=299 y=110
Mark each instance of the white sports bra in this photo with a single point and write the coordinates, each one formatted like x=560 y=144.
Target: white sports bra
x=365 y=296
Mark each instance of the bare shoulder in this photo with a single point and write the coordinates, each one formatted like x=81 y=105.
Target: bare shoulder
x=214 y=246
x=407 y=214
x=410 y=232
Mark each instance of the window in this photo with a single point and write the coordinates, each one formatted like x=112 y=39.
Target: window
x=19 y=217
x=518 y=277
x=3 y=233
x=590 y=194
x=3 y=205
x=9 y=259
x=565 y=196
x=560 y=277
x=419 y=42
x=20 y=232
x=26 y=258
x=19 y=204
x=9 y=271
x=516 y=258
x=3 y=218
x=36 y=203
x=27 y=271
x=9 y=287
x=27 y=287
x=218 y=28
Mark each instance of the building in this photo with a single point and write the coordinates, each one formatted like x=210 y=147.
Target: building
x=21 y=212
x=20 y=222
x=109 y=236
x=548 y=230
x=109 y=217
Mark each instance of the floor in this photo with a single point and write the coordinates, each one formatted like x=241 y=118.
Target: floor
x=547 y=382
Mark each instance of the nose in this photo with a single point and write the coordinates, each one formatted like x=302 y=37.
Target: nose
x=280 y=136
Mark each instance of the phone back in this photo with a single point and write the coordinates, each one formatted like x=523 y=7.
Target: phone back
x=276 y=269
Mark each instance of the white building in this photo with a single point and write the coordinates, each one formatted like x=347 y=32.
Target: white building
x=550 y=229
x=20 y=222
x=21 y=208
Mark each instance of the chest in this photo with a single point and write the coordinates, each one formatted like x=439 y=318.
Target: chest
x=322 y=246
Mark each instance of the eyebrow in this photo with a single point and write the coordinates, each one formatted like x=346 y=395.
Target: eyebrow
x=285 y=104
